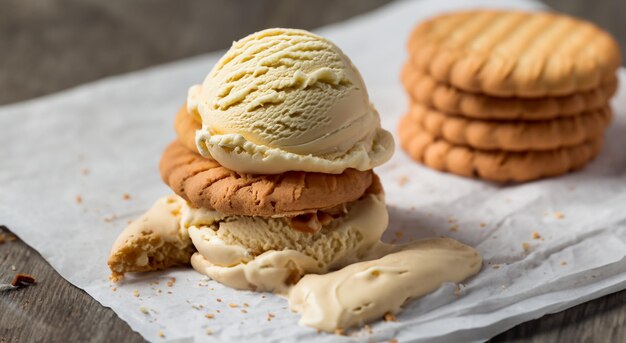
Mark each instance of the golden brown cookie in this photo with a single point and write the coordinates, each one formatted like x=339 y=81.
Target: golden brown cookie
x=185 y=126
x=512 y=135
x=499 y=166
x=205 y=183
x=424 y=89
x=513 y=53
x=155 y=241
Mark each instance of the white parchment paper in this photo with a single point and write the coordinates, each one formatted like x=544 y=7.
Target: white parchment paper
x=103 y=140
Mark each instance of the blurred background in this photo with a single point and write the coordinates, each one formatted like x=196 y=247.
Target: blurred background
x=50 y=45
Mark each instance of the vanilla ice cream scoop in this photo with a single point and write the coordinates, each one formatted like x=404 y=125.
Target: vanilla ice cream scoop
x=284 y=99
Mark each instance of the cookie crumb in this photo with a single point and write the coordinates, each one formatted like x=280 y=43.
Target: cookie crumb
x=495 y=266
x=246 y=305
x=368 y=329
x=136 y=293
x=85 y=171
x=339 y=332
x=244 y=311
x=454 y=228
x=563 y=263
x=482 y=224
x=526 y=246
x=209 y=316
x=209 y=332
x=399 y=234
x=389 y=317
x=393 y=340
x=79 y=199
x=457 y=290
x=13 y=268
x=144 y=310
x=126 y=196
x=231 y=305
x=109 y=218
x=171 y=282
x=114 y=289
x=559 y=215
x=403 y=180
x=22 y=280
x=536 y=235
x=219 y=300
x=161 y=334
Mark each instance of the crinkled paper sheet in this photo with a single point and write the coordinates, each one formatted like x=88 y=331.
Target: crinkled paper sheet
x=104 y=139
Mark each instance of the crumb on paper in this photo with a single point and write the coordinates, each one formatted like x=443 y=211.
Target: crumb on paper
x=116 y=277
x=161 y=334
x=136 y=293
x=559 y=215
x=231 y=305
x=452 y=220
x=209 y=316
x=13 y=268
x=126 y=196
x=368 y=329
x=495 y=266
x=109 y=218
x=526 y=246
x=536 y=235
x=22 y=280
x=389 y=317
x=85 y=171
x=483 y=224
x=393 y=340
x=244 y=311
x=79 y=199
x=563 y=263
x=144 y=310
x=339 y=332
x=454 y=228
x=209 y=332
x=219 y=300
x=171 y=282
x=399 y=234
x=114 y=289
x=403 y=180
x=458 y=289
x=246 y=305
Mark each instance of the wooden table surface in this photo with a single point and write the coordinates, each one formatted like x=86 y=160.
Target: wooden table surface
x=47 y=46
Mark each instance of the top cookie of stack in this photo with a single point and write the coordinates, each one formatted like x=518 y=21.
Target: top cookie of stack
x=507 y=95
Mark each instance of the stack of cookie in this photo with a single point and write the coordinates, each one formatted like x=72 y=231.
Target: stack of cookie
x=506 y=95
x=272 y=170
